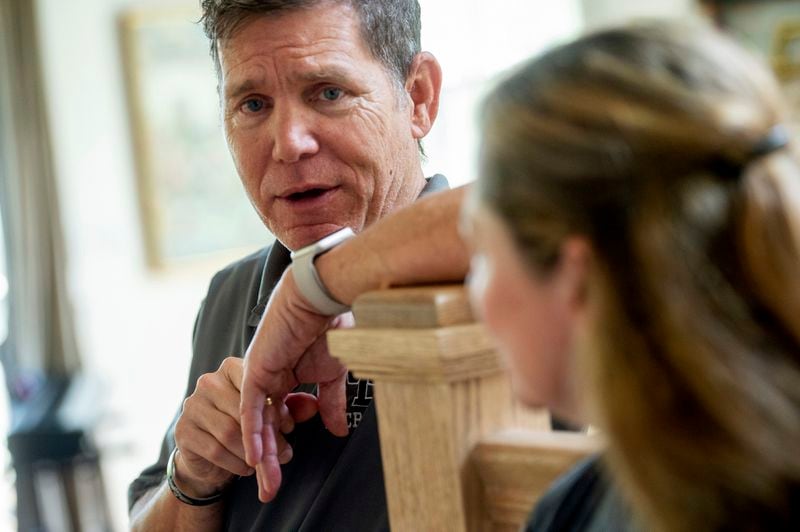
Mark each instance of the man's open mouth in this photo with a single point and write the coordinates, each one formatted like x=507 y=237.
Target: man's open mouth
x=311 y=198
x=308 y=194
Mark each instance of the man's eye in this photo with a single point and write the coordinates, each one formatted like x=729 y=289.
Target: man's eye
x=253 y=105
x=332 y=94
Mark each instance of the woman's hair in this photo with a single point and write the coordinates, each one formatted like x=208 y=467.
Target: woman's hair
x=658 y=144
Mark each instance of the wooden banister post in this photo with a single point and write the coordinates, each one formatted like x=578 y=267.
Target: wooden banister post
x=517 y=466
x=439 y=389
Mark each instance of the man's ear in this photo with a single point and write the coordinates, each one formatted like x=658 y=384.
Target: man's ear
x=423 y=86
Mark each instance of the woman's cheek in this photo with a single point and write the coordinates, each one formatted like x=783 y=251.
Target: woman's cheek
x=477 y=280
x=487 y=298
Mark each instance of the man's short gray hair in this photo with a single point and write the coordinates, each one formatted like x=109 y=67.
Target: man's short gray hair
x=390 y=28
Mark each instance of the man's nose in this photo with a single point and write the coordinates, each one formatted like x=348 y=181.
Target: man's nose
x=293 y=134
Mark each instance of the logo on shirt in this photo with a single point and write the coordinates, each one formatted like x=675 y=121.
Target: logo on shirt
x=359 y=397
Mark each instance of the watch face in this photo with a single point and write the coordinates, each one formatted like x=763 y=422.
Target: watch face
x=311 y=249
x=325 y=243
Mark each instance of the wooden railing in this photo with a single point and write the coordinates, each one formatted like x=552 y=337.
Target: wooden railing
x=459 y=454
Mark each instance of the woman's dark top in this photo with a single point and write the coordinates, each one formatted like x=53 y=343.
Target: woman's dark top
x=582 y=500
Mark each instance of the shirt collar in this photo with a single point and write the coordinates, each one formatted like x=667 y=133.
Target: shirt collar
x=277 y=261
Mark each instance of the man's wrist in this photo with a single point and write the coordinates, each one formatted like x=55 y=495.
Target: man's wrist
x=306 y=276
x=351 y=269
x=326 y=264
x=188 y=491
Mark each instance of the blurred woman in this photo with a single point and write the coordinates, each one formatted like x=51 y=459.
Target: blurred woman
x=636 y=234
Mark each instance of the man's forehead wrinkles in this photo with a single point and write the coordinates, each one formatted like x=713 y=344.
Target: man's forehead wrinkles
x=281 y=43
x=241 y=78
x=263 y=56
x=234 y=91
x=306 y=69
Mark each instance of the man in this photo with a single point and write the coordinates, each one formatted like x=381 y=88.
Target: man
x=324 y=104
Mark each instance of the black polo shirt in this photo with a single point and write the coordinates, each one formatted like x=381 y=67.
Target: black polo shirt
x=331 y=483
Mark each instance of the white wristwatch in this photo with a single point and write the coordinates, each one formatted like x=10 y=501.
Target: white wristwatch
x=307 y=278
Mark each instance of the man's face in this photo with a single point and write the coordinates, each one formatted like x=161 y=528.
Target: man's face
x=320 y=133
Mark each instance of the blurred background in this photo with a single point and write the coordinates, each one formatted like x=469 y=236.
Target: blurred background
x=119 y=202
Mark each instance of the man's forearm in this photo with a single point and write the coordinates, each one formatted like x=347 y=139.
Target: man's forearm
x=158 y=510
x=415 y=245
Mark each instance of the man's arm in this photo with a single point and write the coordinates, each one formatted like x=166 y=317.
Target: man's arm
x=418 y=244
x=159 y=510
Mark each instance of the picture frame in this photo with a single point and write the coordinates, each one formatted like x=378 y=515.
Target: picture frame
x=192 y=203
x=786 y=50
x=771 y=28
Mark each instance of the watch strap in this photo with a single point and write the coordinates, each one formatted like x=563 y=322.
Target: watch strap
x=307 y=279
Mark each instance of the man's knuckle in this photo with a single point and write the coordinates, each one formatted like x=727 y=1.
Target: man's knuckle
x=204 y=381
x=216 y=453
x=230 y=362
x=187 y=407
x=231 y=433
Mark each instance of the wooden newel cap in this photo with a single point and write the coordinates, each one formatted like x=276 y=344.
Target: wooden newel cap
x=415 y=307
x=415 y=334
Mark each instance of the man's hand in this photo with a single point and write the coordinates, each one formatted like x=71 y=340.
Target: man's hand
x=289 y=348
x=209 y=436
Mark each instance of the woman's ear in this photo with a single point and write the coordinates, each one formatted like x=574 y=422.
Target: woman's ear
x=423 y=85
x=574 y=267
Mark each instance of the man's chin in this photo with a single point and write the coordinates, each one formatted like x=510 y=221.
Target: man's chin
x=299 y=237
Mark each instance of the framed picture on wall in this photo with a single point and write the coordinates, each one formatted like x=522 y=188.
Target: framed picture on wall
x=786 y=50
x=771 y=28
x=192 y=202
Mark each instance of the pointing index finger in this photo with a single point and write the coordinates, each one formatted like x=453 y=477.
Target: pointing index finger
x=250 y=410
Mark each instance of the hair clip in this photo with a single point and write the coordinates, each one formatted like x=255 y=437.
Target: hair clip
x=777 y=138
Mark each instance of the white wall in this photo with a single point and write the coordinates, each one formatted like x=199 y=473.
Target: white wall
x=135 y=324
x=603 y=12
x=475 y=41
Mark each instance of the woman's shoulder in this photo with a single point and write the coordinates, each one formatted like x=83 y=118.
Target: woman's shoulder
x=580 y=500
